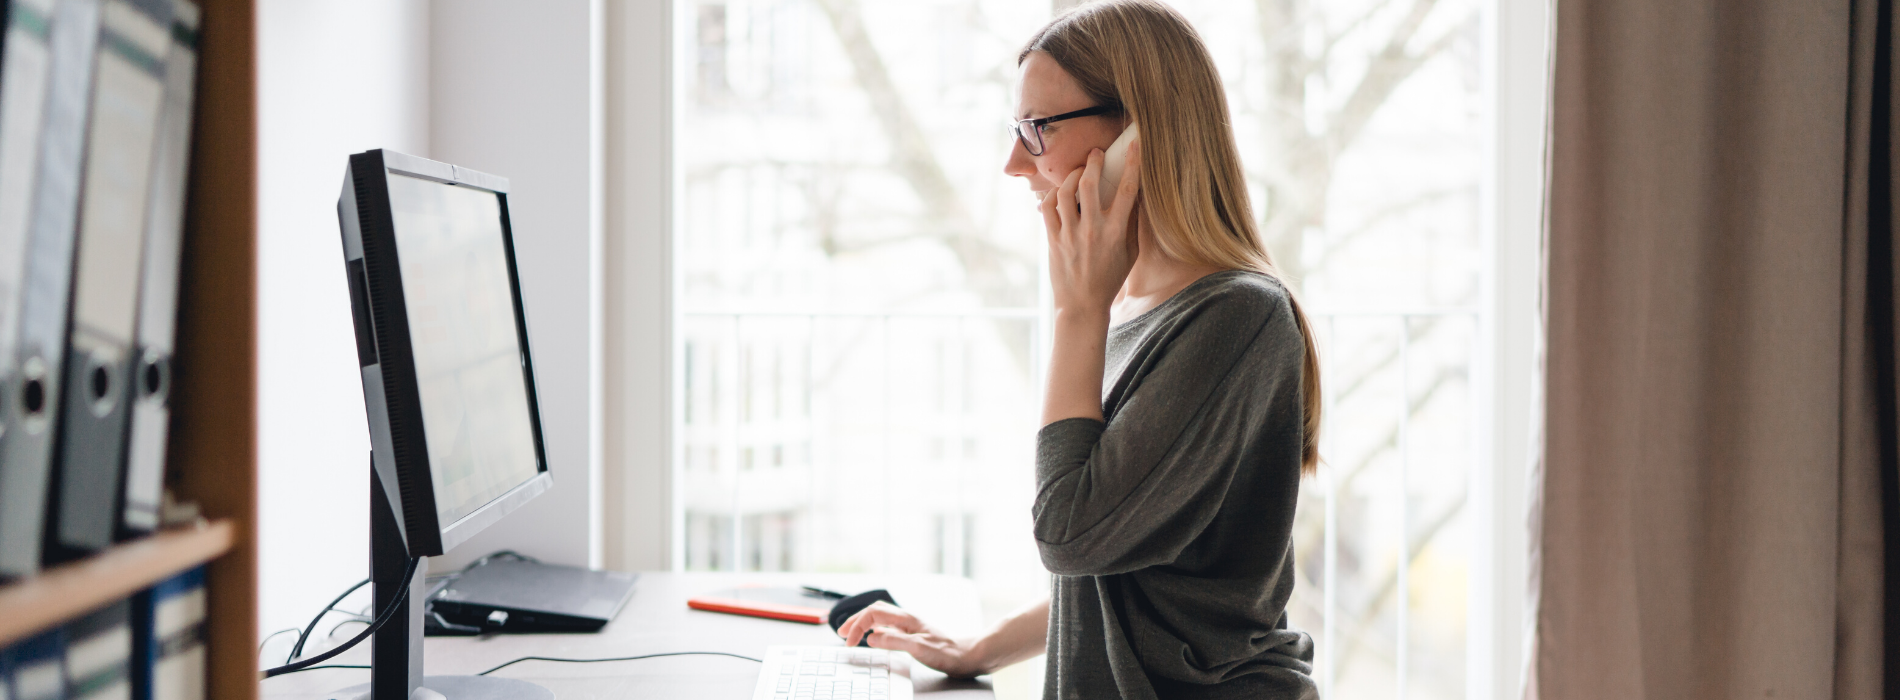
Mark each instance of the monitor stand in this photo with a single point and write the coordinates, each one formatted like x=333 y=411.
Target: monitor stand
x=396 y=649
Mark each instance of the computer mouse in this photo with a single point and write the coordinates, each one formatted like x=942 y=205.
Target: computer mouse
x=844 y=609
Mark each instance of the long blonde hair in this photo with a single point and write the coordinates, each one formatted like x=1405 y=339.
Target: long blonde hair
x=1143 y=59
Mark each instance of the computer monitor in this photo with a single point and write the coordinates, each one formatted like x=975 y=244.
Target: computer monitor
x=448 y=383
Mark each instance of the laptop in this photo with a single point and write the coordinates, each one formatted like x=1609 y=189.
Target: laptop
x=510 y=596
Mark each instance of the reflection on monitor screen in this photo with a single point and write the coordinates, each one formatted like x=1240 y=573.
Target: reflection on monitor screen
x=462 y=327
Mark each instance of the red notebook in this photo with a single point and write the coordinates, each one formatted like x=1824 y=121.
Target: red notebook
x=778 y=603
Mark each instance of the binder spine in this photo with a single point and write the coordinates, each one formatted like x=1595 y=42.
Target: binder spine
x=168 y=653
x=158 y=292
x=99 y=653
x=25 y=463
x=24 y=58
x=128 y=99
x=38 y=666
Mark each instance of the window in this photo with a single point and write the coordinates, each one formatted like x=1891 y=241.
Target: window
x=861 y=313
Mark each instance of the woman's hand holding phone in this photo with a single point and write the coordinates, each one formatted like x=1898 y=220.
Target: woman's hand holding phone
x=1093 y=244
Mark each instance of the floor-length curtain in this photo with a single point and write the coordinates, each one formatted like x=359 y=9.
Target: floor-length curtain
x=1718 y=462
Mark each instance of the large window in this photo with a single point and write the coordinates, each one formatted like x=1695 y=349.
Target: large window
x=862 y=313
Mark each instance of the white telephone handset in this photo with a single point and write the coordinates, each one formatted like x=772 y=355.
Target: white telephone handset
x=1113 y=161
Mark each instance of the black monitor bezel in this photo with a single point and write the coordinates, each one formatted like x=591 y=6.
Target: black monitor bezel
x=387 y=360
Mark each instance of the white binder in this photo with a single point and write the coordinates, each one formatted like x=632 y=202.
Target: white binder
x=39 y=327
x=158 y=282
x=25 y=62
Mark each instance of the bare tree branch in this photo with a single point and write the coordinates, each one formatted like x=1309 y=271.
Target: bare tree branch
x=1338 y=241
x=999 y=277
x=1415 y=330
x=1385 y=73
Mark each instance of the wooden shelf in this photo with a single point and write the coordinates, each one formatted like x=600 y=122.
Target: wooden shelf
x=69 y=590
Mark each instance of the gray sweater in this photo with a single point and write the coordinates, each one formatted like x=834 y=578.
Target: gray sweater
x=1169 y=528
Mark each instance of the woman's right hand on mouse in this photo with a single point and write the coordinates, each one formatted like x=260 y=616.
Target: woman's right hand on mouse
x=894 y=628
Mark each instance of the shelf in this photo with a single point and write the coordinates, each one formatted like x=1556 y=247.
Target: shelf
x=69 y=590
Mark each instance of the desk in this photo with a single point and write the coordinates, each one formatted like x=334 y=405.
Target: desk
x=657 y=620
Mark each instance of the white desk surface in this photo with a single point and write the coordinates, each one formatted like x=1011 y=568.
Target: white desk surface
x=657 y=620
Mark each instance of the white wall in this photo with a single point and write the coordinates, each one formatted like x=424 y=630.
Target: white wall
x=487 y=85
x=515 y=91
x=335 y=78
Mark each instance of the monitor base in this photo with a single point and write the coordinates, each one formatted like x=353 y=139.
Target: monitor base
x=460 y=688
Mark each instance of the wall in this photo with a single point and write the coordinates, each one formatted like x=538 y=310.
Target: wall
x=516 y=93
x=482 y=84
x=335 y=78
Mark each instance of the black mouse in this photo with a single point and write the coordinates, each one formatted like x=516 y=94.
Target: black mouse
x=844 y=609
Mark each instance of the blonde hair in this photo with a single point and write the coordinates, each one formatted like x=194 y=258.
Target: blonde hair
x=1143 y=59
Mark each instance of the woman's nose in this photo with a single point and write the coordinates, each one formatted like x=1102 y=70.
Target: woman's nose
x=1020 y=163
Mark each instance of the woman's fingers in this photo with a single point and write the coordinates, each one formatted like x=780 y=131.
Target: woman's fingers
x=1089 y=185
x=1051 y=222
x=933 y=650
x=919 y=648
x=1065 y=198
x=879 y=614
x=854 y=628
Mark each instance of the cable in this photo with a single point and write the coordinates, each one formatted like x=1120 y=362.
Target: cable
x=619 y=658
x=543 y=658
x=432 y=581
x=267 y=638
x=297 y=650
x=382 y=618
x=337 y=626
x=319 y=668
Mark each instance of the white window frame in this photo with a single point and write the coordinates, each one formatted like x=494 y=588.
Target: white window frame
x=639 y=409
x=1516 y=80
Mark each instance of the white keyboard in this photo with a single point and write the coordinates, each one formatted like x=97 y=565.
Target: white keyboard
x=833 y=673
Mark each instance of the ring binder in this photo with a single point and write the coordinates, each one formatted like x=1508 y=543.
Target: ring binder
x=26 y=452
x=128 y=99
x=158 y=283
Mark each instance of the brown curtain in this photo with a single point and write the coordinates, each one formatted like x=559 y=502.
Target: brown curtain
x=1716 y=510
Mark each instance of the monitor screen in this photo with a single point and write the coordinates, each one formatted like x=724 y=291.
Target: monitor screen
x=470 y=369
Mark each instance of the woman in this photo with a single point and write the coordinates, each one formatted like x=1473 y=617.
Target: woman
x=1183 y=398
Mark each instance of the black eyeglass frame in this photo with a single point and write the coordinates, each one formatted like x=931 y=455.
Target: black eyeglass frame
x=1035 y=126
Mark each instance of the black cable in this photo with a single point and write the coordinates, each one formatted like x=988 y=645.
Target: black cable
x=382 y=618
x=619 y=658
x=297 y=650
x=273 y=635
x=319 y=668
x=337 y=626
x=433 y=581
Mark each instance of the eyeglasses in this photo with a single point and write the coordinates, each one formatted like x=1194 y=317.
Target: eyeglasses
x=1029 y=131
